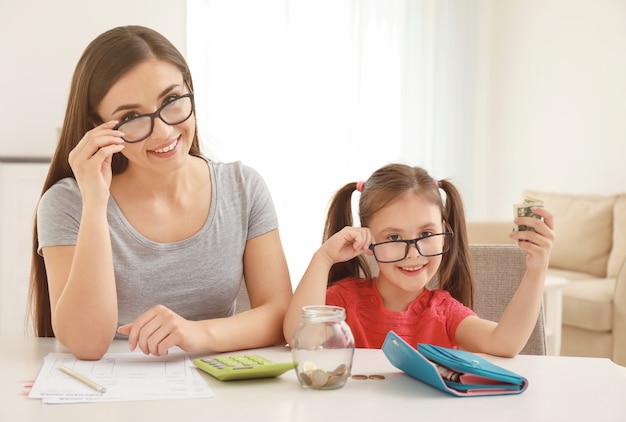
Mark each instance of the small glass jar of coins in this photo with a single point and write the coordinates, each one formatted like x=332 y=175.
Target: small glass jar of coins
x=323 y=348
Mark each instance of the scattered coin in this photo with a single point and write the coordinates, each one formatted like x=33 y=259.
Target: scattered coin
x=368 y=377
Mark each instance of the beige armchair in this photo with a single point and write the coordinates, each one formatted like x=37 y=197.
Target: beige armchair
x=590 y=254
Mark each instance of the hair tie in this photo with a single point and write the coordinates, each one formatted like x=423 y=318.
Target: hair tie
x=436 y=183
x=359 y=186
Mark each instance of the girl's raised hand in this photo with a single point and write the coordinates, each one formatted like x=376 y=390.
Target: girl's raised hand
x=537 y=243
x=347 y=243
x=90 y=160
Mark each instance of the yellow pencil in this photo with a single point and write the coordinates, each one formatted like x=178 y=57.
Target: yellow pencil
x=83 y=379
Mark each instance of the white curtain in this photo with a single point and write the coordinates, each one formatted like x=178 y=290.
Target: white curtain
x=318 y=93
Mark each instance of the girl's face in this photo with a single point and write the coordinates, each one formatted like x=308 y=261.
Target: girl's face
x=410 y=217
x=143 y=90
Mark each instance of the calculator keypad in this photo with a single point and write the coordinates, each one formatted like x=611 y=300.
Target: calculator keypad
x=242 y=366
x=237 y=362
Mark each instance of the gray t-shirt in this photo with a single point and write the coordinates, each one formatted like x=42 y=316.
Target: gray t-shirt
x=199 y=277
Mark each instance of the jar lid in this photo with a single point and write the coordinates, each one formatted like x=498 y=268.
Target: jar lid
x=323 y=312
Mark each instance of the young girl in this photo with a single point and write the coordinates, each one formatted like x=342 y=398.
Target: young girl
x=137 y=233
x=415 y=236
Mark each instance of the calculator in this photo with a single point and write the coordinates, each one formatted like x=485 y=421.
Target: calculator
x=240 y=367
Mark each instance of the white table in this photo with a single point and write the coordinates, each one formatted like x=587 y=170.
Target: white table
x=560 y=389
x=553 y=313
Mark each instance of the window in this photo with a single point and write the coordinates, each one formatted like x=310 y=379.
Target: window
x=316 y=94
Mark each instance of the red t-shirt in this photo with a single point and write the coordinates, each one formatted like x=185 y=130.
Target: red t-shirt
x=432 y=317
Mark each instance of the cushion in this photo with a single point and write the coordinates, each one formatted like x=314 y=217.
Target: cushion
x=489 y=232
x=578 y=342
x=618 y=254
x=583 y=228
x=588 y=304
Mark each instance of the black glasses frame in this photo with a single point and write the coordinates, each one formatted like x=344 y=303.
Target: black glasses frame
x=157 y=113
x=446 y=246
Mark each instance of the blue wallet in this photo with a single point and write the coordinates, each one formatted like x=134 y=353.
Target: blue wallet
x=456 y=372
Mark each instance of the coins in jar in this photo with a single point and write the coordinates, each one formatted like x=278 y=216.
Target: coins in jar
x=323 y=348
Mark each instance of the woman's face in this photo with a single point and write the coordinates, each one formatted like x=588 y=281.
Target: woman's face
x=143 y=90
x=409 y=217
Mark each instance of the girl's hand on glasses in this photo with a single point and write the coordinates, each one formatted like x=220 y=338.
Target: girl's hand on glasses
x=347 y=243
x=90 y=161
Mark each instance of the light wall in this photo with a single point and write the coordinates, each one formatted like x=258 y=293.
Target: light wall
x=552 y=100
x=551 y=87
x=40 y=44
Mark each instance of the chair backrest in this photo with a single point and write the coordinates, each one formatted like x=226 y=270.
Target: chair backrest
x=498 y=270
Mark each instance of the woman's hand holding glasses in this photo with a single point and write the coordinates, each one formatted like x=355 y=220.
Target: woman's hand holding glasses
x=91 y=161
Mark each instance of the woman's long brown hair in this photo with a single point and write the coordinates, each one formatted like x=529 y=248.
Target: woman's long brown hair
x=104 y=61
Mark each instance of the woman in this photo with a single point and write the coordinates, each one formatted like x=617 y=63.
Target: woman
x=136 y=232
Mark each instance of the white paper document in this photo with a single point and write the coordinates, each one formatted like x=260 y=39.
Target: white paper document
x=126 y=376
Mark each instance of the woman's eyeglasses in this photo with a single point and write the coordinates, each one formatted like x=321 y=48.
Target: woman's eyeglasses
x=173 y=113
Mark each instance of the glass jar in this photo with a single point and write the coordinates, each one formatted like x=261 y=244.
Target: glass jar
x=323 y=347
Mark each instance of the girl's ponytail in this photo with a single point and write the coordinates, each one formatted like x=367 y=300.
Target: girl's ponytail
x=455 y=273
x=339 y=216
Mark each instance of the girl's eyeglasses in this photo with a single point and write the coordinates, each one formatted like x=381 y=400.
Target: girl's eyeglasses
x=397 y=250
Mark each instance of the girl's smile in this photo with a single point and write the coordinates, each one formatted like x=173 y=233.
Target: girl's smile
x=411 y=270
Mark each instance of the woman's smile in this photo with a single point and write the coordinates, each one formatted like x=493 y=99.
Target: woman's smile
x=166 y=148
